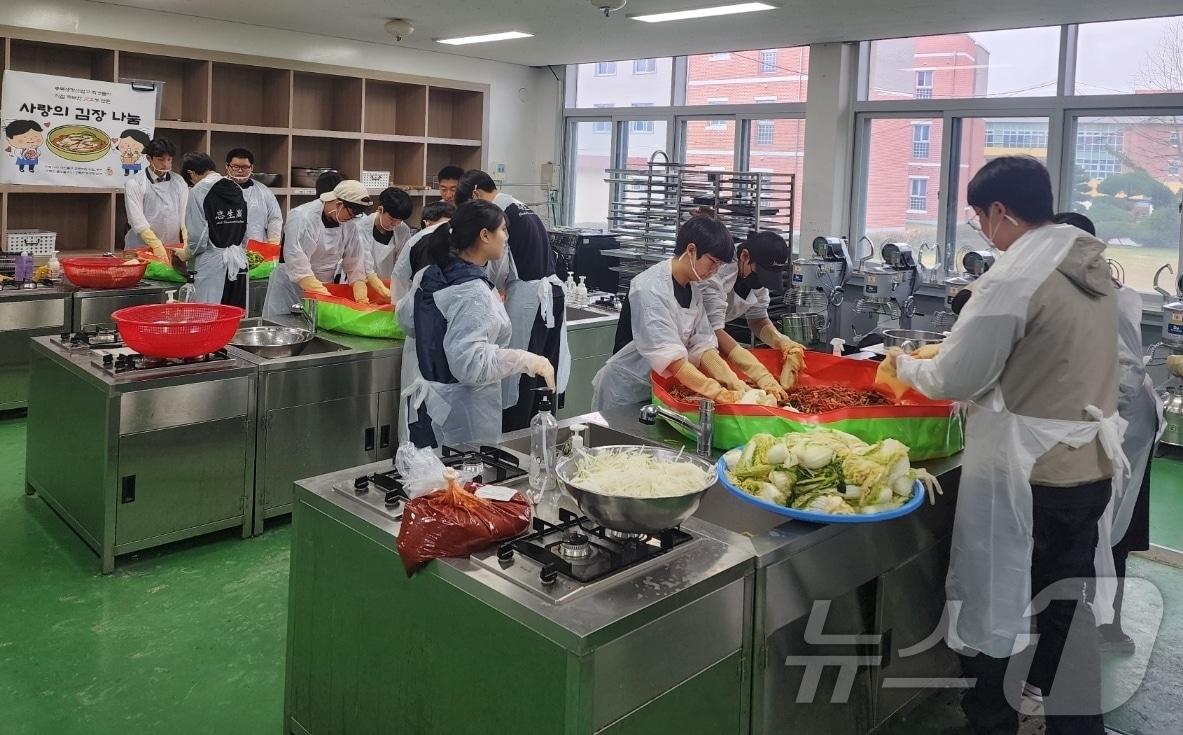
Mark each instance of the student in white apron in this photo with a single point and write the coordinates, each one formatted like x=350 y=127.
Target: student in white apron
x=664 y=327
x=462 y=333
x=1034 y=353
x=155 y=200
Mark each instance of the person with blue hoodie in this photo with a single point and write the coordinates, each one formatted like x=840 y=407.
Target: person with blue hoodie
x=461 y=332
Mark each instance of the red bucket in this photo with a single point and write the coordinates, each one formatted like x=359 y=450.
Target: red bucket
x=178 y=329
x=99 y=272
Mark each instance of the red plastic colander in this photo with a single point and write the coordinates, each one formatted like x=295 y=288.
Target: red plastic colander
x=179 y=329
x=103 y=272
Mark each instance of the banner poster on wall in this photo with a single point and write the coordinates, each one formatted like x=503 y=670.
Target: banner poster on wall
x=60 y=131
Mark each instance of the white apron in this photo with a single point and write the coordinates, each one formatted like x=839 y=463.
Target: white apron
x=523 y=301
x=163 y=213
x=624 y=380
x=990 y=560
x=459 y=413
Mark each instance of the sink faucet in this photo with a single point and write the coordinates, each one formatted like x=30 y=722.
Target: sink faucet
x=704 y=430
x=307 y=312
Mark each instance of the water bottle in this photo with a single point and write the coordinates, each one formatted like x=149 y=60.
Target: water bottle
x=543 y=435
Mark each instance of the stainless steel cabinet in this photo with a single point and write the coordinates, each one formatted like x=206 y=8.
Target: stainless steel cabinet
x=305 y=441
x=387 y=427
x=22 y=319
x=180 y=479
x=590 y=349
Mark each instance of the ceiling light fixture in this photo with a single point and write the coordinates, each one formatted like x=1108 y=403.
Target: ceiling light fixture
x=711 y=12
x=506 y=36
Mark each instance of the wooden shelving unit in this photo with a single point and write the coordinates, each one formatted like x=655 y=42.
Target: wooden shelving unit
x=288 y=113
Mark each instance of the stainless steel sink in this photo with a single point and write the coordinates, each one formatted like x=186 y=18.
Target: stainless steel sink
x=314 y=346
x=575 y=314
x=595 y=436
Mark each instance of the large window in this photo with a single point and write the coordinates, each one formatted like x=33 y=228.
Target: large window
x=765 y=132
x=644 y=138
x=1132 y=197
x=783 y=154
x=709 y=143
x=899 y=201
x=982 y=140
x=589 y=154
x=1130 y=57
x=1017 y=63
x=781 y=73
x=593 y=85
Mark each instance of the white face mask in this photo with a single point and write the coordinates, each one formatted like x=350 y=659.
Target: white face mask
x=159 y=174
x=693 y=270
x=240 y=179
x=989 y=237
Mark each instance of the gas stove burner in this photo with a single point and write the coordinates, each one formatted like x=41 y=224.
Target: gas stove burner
x=583 y=552
x=575 y=546
x=124 y=362
x=92 y=337
x=622 y=536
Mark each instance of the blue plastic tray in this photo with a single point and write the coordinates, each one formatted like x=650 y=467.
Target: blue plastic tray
x=917 y=499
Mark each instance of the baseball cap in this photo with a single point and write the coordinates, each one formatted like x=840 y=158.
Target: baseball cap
x=769 y=255
x=350 y=192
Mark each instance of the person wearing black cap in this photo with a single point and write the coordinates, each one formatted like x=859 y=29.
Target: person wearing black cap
x=215 y=219
x=741 y=288
x=383 y=235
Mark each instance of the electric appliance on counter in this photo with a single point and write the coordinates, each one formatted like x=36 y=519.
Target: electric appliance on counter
x=1172 y=341
x=817 y=290
x=974 y=264
x=889 y=285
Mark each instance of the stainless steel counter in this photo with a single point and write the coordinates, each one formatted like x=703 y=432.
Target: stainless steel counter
x=24 y=314
x=140 y=460
x=95 y=305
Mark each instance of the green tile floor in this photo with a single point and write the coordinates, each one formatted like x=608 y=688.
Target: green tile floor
x=190 y=639
x=1166 y=499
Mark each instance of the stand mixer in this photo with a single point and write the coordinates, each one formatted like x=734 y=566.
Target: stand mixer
x=973 y=263
x=1172 y=339
x=888 y=289
x=817 y=289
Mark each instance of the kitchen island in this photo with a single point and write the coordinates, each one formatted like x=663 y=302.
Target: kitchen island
x=708 y=637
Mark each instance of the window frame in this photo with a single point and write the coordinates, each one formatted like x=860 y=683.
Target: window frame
x=926 y=154
x=764 y=66
x=912 y=196
x=652 y=64
x=605 y=69
x=927 y=89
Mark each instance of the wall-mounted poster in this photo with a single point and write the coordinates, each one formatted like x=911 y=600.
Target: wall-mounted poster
x=72 y=132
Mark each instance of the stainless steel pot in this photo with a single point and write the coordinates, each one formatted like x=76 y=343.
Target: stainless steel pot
x=1172 y=411
x=805 y=329
x=271 y=342
x=631 y=514
x=910 y=340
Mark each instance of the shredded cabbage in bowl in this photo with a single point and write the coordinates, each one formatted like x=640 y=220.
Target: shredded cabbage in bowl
x=635 y=473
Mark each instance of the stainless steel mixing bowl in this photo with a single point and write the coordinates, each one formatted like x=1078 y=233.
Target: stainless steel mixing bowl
x=271 y=341
x=633 y=514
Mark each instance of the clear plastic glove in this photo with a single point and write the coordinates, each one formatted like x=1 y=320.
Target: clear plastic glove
x=715 y=366
x=520 y=361
x=886 y=374
x=753 y=368
x=540 y=367
x=1175 y=365
x=381 y=293
x=310 y=284
x=728 y=396
x=361 y=294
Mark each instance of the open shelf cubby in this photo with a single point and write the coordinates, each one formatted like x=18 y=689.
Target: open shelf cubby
x=62 y=60
x=404 y=161
x=343 y=154
x=326 y=102
x=185 y=95
x=455 y=113
x=395 y=109
x=251 y=95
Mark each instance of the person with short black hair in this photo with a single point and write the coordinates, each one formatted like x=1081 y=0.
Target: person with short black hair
x=1033 y=354
x=383 y=235
x=743 y=288
x=25 y=138
x=155 y=202
x=413 y=257
x=447 y=180
x=215 y=218
x=264 y=218
x=461 y=332
x=320 y=240
x=328 y=181
x=534 y=295
x=663 y=324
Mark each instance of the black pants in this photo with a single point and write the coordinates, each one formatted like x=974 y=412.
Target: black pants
x=1067 y=658
x=234 y=292
x=543 y=342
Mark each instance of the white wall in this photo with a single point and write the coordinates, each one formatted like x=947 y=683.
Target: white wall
x=524 y=102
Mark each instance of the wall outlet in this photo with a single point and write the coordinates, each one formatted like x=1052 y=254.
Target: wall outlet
x=499 y=168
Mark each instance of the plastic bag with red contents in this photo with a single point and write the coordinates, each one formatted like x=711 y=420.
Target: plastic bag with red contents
x=456 y=522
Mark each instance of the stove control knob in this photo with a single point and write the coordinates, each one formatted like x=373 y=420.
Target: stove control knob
x=549 y=575
x=392 y=499
x=505 y=552
x=108 y=359
x=361 y=485
x=65 y=336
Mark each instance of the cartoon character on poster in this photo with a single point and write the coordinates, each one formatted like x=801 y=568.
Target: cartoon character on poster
x=25 y=139
x=131 y=145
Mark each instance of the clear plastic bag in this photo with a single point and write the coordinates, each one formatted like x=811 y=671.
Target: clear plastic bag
x=420 y=469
